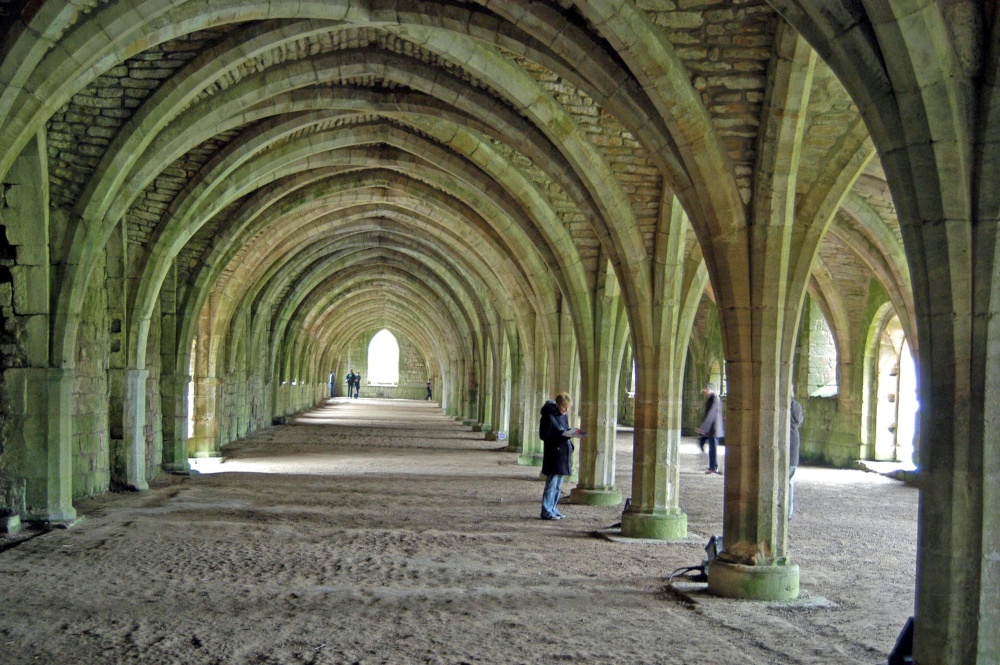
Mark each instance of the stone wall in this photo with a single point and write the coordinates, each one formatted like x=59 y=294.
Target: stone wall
x=91 y=433
x=11 y=354
x=822 y=357
x=828 y=436
x=243 y=401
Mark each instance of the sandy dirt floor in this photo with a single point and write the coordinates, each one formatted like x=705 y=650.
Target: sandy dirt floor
x=372 y=531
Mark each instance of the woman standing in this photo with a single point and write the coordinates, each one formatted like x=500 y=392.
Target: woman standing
x=557 y=457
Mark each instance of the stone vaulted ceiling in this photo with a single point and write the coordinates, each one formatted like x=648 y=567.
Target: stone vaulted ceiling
x=483 y=160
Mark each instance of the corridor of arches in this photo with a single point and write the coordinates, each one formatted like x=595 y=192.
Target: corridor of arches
x=210 y=210
x=381 y=531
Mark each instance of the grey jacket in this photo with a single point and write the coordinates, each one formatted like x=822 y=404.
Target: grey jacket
x=795 y=417
x=711 y=424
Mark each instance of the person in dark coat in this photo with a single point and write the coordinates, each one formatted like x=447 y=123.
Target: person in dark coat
x=350 y=383
x=795 y=421
x=357 y=384
x=712 y=429
x=557 y=456
x=428 y=389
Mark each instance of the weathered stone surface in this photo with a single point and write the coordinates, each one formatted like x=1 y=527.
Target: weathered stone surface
x=528 y=194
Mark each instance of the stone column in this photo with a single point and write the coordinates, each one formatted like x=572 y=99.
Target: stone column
x=486 y=387
x=518 y=395
x=46 y=399
x=678 y=285
x=134 y=429
x=760 y=317
x=174 y=389
x=598 y=403
x=531 y=454
x=38 y=397
x=472 y=390
x=203 y=443
x=498 y=388
x=173 y=385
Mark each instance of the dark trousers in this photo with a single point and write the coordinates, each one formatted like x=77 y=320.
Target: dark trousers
x=713 y=451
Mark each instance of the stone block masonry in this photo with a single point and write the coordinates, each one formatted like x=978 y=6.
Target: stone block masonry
x=91 y=435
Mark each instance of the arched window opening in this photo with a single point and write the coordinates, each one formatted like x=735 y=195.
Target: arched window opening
x=822 y=355
x=717 y=375
x=895 y=395
x=631 y=383
x=383 y=360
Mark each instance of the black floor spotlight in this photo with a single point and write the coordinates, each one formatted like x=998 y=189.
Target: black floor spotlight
x=699 y=573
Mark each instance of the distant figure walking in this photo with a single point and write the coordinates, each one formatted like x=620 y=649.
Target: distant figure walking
x=712 y=429
x=357 y=385
x=795 y=421
x=428 y=389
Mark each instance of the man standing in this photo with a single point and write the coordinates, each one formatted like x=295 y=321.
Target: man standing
x=428 y=389
x=350 y=383
x=557 y=456
x=795 y=417
x=357 y=385
x=711 y=428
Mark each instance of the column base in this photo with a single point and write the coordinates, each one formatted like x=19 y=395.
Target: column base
x=10 y=524
x=61 y=523
x=471 y=423
x=604 y=496
x=736 y=580
x=54 y=518
x=529 y=459
x=177 y=468
x=662 y=526
x=490 y=436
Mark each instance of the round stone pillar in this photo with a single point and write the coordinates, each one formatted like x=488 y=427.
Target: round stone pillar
x=659 y=525
x=735 y=580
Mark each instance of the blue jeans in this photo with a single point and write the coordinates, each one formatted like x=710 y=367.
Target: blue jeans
x=550 y=496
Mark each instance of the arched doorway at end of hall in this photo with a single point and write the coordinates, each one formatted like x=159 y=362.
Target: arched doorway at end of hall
x=890 y=393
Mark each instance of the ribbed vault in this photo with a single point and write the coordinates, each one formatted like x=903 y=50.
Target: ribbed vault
x=227 y=199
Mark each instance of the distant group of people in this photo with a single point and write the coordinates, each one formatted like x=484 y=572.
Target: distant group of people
x=353 y=384
x=557 y=455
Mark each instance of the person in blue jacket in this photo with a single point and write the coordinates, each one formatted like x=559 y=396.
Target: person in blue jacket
x=557 y=457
